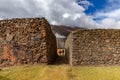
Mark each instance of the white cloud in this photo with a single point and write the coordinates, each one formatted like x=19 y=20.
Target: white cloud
x=54 y=23
x=59 y=36
x=109 y=16
x=1 y=18
x=110 y=23
x=76 y=16
x=66 y=15
x=85 y=3
x=63 y=12
x=113 y=4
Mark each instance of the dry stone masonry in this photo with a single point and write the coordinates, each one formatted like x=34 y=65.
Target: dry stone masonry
x=31 y=40
x=26 y=41
x=94 y=47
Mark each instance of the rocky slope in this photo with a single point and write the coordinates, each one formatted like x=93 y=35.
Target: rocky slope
x=63 y=30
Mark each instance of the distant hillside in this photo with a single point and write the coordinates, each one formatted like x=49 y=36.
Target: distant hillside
x=61 y=33
x=63 y=30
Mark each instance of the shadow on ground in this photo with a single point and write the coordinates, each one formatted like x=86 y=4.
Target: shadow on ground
x=61 y=60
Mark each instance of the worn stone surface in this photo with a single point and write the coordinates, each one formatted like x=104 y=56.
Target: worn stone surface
x=94 y=47
x=26 y=41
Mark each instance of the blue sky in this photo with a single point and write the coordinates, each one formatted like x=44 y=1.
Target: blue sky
x=81 y=13
x=105 y=13
x=97 y=5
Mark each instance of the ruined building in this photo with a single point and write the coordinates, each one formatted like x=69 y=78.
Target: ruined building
x=26 y=41
x=93 y=47
x=31 y=40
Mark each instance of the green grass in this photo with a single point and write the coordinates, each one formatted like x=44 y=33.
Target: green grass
x=60 y=72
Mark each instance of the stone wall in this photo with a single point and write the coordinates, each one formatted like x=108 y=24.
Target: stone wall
x=94 y=47
x=26 y=41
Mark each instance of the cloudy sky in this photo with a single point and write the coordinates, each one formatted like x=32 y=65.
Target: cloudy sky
x=82 y=13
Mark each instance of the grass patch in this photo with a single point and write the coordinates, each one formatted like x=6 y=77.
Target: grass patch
x=35 y=72
x=60 y=72
x=96 y=73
